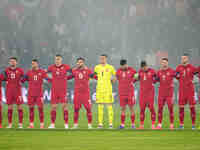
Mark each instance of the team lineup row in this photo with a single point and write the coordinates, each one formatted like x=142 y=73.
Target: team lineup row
x=105 y=74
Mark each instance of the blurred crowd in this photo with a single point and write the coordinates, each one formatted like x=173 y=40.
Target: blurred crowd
x=132 y=29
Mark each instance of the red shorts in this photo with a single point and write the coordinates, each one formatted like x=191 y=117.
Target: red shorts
x=57 y=98
x=187 y=98
x=127 y=100
x=14 y=98
x=80 y=100
x=163 y=100
x=35 y=100
x=146 y=100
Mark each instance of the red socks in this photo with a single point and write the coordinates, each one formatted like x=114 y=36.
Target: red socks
x=89 y=116
x=20 y=115
x=0 y=114
x=10 y=112
x=153 y=115
x=65 y=116
x=123 y=117
x=193 y=115
x=160 y=115
x=76 y=116
x=53 y=116
x=41 y=114
x=31 y=114
x=142 y=116
x=171 y=115
x=132 y=119
x=181 y=115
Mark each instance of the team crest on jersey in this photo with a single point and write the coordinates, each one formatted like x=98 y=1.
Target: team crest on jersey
x=188 y=69
x=168 y=73
x=84 y=72
x=107 y=70
x=39 y=74
x=149 y=73
x=62 y=68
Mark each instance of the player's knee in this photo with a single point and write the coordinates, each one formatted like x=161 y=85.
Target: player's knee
x=19 y=106
x=53 y=107
x=76 y=110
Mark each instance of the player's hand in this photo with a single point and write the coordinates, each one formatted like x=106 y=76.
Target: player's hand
x=136 y=76
x=113 y=80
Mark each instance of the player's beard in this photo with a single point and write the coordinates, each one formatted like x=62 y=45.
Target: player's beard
x=164 y=67
x=185 y=63
x=13 y=66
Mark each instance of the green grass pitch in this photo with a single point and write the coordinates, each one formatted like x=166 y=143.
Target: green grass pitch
x=83 y=139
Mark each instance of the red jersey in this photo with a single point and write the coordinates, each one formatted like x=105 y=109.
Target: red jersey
x=126 y=80
x=147 y=80
x=186 y=75
x=13 y=78
x=198 y=72
x=82 y=77
x=59 y=77
x=35 y=79
x=165 y=78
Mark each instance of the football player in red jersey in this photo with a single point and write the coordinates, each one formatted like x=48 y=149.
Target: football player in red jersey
x=59 y=89
x=147 y=78
x=125 y=76
x=186 y=72
x=13 y=77
x=35 y=77
x=82 y=75
x=165 y=76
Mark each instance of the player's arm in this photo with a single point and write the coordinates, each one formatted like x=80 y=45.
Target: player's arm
x=114 y=79
x=3 y=76
x=92 y=74
x=157 y=77
x=177 y=73
x=137 y=76
x=154 y=77
x=95 y=73
x=25 y=78
x=195 y=70
x=46 y=76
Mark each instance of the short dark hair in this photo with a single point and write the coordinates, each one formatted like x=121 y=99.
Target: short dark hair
x=14 y=58
x=35 y=60
x=186 y=54
x=123 y=62
x=105 y=55
x=143 y=63
x=59 y=55
x=80 y=58
x=165 y=58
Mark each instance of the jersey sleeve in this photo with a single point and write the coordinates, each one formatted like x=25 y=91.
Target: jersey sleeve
x=113 y=71
x=195 y=70
x=158 y=76
x=22 y=73
x=71 y=76
x=154 y=76
x=96 y=70
x=117 y=74
x=177 y=73
x=199 y=72
x=49 y=69
x=1 y=77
